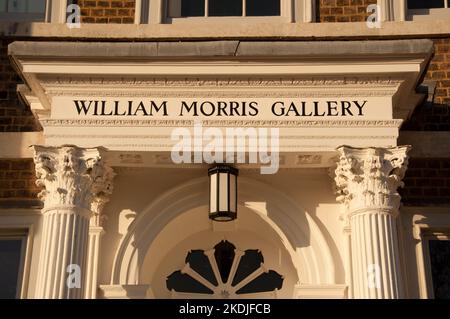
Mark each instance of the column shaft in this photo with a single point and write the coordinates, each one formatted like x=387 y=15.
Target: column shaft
x=95 y=234
x=376 y=264
x=366 y=183
x=76 y=185
x=63 y=244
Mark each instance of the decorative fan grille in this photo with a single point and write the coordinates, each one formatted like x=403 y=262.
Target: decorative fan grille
x=225 y=272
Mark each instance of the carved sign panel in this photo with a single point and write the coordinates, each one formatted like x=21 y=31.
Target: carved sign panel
x=261 y=108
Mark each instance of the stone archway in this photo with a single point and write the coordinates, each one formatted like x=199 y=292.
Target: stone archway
x=169 y=254
x=297 y=232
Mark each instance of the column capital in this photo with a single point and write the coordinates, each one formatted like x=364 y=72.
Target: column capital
x=73 y=177
x=367 y=179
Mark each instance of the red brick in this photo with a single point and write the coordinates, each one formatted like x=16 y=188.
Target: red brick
x=343 y=10
x=107 y=11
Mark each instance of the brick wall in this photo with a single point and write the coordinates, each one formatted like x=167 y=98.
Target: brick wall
x=15 y=116
x=437 y=116
x=343 y=10
x=107 y=11
x=17 y=180
x=427 y=182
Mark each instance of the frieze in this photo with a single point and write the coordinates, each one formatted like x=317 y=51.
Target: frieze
x=159 y=137
x=223 y=123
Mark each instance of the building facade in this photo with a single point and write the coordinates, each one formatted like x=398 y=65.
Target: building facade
x=112 y=112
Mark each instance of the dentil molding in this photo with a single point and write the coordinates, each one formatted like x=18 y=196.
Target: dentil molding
x=70 y=81
x=224 y=123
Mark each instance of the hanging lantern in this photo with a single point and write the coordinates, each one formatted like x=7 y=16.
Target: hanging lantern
x=223 y=193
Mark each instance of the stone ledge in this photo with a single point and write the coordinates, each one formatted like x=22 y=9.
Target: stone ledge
x=101 y=50
x=216 y=30
x=125 y=292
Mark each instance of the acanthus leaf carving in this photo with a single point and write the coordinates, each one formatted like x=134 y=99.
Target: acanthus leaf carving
x=73 y=176
x=368 y=179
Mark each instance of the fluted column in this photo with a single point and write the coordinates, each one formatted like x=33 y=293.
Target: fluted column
x=367 y=181
x=75 y=180
x=95 y=233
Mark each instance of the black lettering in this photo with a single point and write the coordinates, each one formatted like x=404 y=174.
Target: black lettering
x=162 y=106
x=96 y=108
x=304 y=110
x=104 y=109
x=281 y=108
x=346 y=107
x=130 y=107
x=254 y=106
x=202 y=108
x=316 y=109
x=222 y=107
x=189 y=108
x=333 y=109
x=234 y=108
x=116 y=109
x=141 y=107
x=292 y=108
x=82 y=107
x=244 y=108
x=360 y=107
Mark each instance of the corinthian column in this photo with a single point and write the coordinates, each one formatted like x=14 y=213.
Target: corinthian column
x=367 y=181
x=95 y=234
x=75 y=181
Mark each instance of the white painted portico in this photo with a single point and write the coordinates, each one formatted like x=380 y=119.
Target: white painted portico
x=130 y=239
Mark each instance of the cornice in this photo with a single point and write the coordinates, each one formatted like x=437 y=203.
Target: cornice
x=70 y=81
x=302 y=93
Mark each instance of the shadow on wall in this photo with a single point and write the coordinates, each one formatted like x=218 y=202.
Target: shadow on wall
x=429 y=117
x=15 y=114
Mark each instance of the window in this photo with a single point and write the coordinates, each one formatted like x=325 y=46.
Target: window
x=428 y=9
x=428 y=4
x=193 y=11
x=440 y=267
x=224 y=272
x=12 y=256
x=23 y=10
x=221 y=8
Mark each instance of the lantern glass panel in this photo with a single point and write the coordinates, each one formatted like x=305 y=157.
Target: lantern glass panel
x=213 y=195
x=223 y=192
x=233 y=207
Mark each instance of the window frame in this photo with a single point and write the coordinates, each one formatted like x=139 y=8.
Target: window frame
x=174 y=7
x=25 y=16
x=55 y=12
x=23 y=234
x=156 y=12
x=427 y=14
x=427 y=236
x=397 y=10
x=423 y=233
